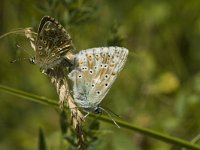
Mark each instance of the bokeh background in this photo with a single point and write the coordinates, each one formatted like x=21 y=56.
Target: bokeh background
x=159 y=87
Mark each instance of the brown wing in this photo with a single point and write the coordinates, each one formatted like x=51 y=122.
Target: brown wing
x=52 y=43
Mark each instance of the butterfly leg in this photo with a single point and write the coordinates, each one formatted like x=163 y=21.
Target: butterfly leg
x=86 y=115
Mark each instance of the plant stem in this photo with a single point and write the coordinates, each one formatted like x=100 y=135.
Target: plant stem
x=148 y=132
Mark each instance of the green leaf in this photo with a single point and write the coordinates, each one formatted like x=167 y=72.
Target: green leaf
x=42 y=143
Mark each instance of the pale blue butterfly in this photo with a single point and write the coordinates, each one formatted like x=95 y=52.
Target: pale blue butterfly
x=94 y=73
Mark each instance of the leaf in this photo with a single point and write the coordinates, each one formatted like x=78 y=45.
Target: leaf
x=42 y=143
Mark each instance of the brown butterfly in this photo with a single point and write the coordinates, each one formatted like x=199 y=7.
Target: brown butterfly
x=53 y=45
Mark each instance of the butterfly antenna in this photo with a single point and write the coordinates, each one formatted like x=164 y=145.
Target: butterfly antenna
x=24 y=50
x=112 y=112
x=19 y=59
x=134 y=54
x=16 y=31
x=110 y=117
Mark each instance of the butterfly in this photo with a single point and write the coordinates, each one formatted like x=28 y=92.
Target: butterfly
x=94 y=73
x=53 y=45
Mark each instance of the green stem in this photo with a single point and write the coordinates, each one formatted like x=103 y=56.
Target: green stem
x=148 y=132
x=154 y=134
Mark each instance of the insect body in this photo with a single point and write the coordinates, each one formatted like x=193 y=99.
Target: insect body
x=95 y=71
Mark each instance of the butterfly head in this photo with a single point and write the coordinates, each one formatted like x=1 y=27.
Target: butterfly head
x=97 y=110
x=92 y=109
x=32 y=60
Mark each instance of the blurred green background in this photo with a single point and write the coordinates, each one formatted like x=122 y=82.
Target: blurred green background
x=158 y=88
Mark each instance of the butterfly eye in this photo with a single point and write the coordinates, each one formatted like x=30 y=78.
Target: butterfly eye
x=98 y=92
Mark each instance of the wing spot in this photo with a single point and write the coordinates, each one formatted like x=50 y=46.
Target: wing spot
x=108 y=59
x=103 y=54
x=112 y=64
x=79 y=76
x=84 y=68
x=91 y=71
x=45 y=42
x=113 y=74
x=40 y=53
x=106 y=84
x=90 y=57
x=40 y=47
x=97 y=56
x=106 y=76
x=105 y=66
x=93 y=85
x=98 y=92
x=53 y=54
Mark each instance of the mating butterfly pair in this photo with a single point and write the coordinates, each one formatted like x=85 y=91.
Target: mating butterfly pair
x=94 y=70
